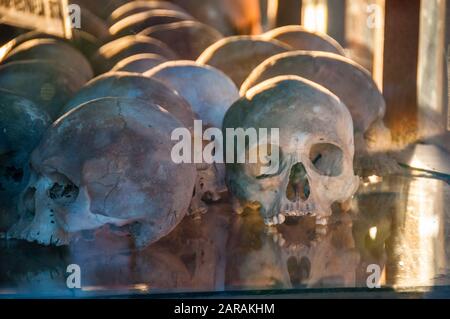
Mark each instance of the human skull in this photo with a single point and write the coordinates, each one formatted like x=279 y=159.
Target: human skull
x=188 y=39
x=137 y=22
x=209 y=102
x=299 y=38
x=81 y=40
x=93 y=25
x=105 y=163
x=291 y=255
x=139 y=63
x=123 y=84
x=315 y=147
x=134 y=7
x=115 y=51
x=237 y=56
x=22 y=124
x=353 y=85
x=54 y=50
x=98 y=7
x=228 y=17
x=44 y=82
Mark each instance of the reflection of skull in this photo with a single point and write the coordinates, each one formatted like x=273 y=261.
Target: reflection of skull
x=107 y=162
x=21 y=126
x=315 y=167
x=115 y=51
x=228 y=17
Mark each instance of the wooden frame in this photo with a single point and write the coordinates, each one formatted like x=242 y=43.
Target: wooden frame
x=336 y=20
x=288 y=12
x=400 y=60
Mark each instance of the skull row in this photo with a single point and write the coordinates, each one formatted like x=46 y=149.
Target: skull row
x=314 y=173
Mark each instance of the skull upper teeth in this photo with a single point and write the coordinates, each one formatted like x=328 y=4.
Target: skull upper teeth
x=298 y=209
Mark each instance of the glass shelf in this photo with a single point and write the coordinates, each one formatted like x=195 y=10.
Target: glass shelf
x=399 y=223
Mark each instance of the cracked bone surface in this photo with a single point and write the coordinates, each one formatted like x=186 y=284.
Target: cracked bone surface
x=348 y=81
x=209 y=103
x=237 y=56
x=106 y=163
x=123 y=84
x=111 y=53
x=315 y=147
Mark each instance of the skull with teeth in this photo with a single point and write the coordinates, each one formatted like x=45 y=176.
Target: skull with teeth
x=107 y=163
x=356 y=89
x=315 y=150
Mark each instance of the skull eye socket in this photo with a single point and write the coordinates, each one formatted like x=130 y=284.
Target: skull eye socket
x=327 y=159
x=266 y=161
x=63 y=191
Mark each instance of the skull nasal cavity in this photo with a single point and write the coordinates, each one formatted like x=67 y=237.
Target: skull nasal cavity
x=298 y=186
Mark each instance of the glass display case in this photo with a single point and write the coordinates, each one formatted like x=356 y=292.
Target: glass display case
x=389 y=238
x=394 y=237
